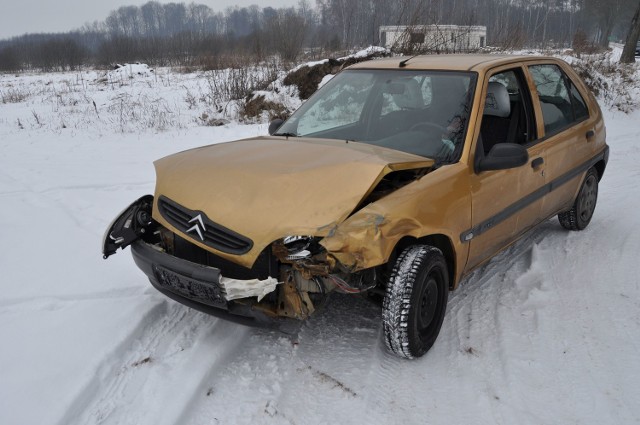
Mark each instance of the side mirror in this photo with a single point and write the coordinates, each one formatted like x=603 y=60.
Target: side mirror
x=275 y=125
x=503 y=156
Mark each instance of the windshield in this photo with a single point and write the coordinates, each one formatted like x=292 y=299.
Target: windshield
x=420 y=112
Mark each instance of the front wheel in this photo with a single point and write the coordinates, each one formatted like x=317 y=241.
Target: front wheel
x=579 y=216
x=415 y=301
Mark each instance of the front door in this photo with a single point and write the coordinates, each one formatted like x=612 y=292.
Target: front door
x=503 y=201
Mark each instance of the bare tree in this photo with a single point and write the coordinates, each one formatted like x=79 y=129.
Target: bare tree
x=628 y=53
x=286 y=33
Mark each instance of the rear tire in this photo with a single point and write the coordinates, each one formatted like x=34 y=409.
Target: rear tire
x=415 y=301
x=580 y=214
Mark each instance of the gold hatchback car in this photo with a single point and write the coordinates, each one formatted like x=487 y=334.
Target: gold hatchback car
x=397 y=178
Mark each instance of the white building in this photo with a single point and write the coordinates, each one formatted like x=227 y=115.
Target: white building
x=439 y=38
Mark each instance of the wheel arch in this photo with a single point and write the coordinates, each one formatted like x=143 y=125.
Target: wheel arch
x=438 y=240
x=600 y=167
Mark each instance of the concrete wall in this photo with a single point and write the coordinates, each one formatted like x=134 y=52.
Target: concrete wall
x=455 y=38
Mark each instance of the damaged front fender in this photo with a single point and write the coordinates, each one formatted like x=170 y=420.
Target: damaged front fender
x=367 y=239
x=425 y=207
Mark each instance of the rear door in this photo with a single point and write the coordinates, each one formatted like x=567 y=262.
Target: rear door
x=567 y=133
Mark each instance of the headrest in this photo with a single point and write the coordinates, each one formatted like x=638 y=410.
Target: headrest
x=497 y=102
x=411 y=96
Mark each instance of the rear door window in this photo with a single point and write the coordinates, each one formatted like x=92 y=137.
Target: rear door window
x=560 y=101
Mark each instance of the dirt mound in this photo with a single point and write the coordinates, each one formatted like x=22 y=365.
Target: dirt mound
x=308 y=77
x=257 y=105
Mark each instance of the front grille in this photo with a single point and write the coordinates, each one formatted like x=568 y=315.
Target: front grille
x=265 y=265
x=215 y=235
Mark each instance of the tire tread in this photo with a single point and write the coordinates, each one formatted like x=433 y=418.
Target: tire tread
x=397 y=300
x=569 y=219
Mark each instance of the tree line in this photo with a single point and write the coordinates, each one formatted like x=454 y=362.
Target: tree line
x=195 y=35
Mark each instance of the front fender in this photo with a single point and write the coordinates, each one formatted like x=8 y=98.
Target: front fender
x=368 y=239
x=437 y=204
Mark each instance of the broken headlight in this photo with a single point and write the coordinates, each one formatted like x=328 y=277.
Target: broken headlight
x=130 y=225
x=300 y=247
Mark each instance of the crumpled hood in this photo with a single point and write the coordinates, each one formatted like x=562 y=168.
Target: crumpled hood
x=269 y=187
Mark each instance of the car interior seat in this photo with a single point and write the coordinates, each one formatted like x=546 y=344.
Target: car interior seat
x=495 y=119
x=411 y=96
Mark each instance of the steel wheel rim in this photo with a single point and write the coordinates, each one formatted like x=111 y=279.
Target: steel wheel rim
x=428 y=303
x=587 y=203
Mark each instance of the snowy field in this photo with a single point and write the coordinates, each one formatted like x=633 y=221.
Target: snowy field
x=546 y=333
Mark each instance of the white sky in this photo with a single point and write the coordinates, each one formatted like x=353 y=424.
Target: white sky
x=18 y=17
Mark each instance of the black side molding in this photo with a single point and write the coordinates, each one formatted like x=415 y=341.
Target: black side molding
x=532 y=197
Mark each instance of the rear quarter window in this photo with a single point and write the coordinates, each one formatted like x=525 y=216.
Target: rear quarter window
x=579 y=106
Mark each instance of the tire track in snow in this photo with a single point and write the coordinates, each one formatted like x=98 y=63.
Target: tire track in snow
x=320 y=375
x=43 y=300
x=488 y=284
x=335 y=356
x=474 y=305
x=163 y=357
x=103 y=187
x=385 y=370
x=491 y=298
x=601 y=319
x=251 y=381
x=523 y=294
x=222 y=344
x=109 y=367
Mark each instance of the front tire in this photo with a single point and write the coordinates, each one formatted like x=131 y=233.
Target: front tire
x=579 y=216
x=415 y=301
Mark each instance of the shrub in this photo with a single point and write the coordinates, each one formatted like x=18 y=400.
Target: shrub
x=613 y=83
x=13 y=95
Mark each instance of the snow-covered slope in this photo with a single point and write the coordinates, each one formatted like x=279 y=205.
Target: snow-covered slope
x=546 y=333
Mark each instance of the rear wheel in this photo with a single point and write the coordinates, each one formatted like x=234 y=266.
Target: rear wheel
x=579 y=216
x=415 y=301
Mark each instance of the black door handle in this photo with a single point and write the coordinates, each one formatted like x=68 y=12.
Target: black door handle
x=590 y=134
x=537 y=162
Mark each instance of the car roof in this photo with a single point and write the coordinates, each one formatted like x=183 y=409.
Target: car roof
x=453 y=62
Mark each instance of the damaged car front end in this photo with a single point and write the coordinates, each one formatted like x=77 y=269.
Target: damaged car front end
x=275 y=278
x=260 y=231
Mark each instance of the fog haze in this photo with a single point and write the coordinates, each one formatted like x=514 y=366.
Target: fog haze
x=18 y=17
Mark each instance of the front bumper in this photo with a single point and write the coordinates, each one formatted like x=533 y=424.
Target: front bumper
x=198 y=286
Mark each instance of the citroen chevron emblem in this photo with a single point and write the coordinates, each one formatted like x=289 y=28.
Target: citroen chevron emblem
x=198 y=227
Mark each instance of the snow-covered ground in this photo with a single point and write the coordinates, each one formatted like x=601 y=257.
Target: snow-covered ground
x=546 y=333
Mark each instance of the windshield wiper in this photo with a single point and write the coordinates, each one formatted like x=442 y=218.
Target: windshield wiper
x=285 y=134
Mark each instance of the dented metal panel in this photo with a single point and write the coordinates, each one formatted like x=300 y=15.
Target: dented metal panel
x=295 y=187
x=428 y=206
